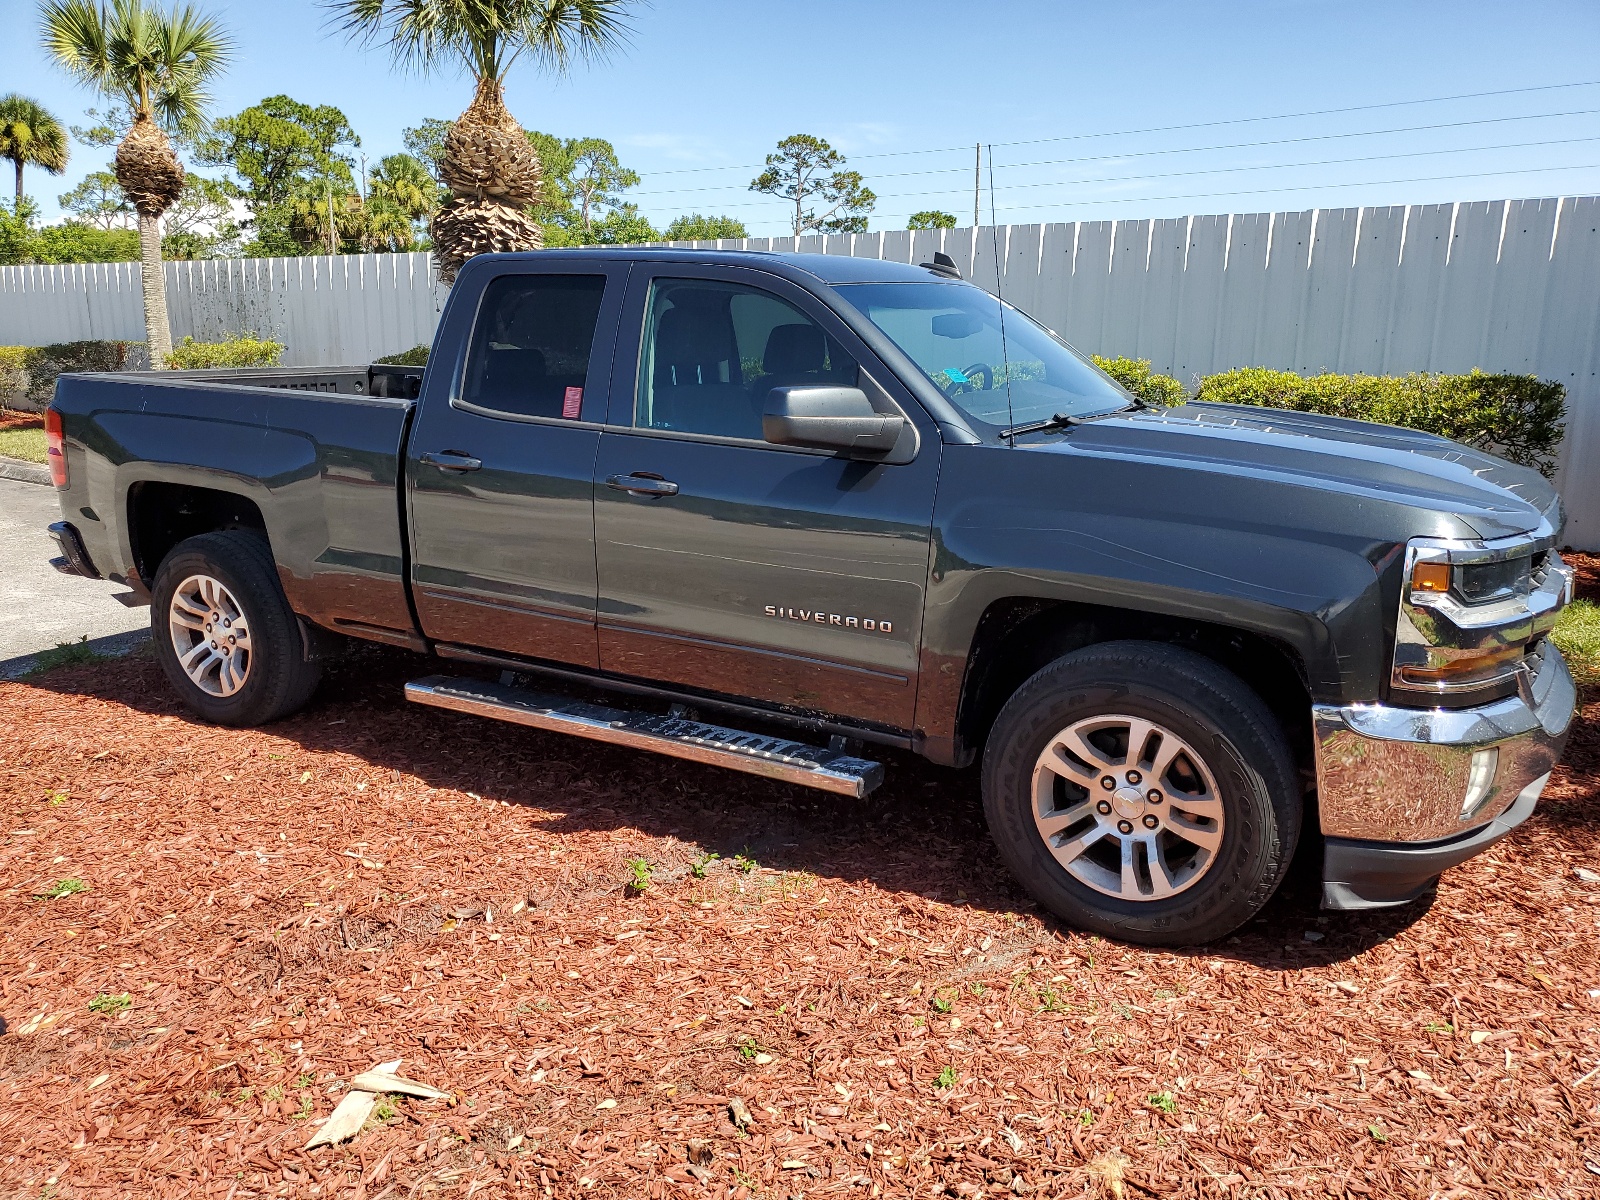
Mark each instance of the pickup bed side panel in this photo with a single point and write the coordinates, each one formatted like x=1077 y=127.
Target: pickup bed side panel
x=322 y=469
x=1247 y=554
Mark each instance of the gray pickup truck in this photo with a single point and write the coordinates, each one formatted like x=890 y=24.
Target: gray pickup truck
x=828 y=503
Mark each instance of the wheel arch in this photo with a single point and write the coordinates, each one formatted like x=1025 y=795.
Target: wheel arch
x=1018 y=635
x=160 y=515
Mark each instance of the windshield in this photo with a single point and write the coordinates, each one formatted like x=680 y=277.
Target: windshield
x=952 y=332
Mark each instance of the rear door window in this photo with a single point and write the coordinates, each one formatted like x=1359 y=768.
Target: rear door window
x=530 y=350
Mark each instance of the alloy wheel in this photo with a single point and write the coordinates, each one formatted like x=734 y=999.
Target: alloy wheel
x=1127 y=807
x=210 y=635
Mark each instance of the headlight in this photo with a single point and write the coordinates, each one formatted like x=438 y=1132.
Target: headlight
x=1471 y=613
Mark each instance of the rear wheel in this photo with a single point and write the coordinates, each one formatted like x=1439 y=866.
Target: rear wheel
x=224 y=632
x=1142 y=791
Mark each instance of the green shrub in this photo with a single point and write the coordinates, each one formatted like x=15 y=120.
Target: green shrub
x=13 y=372
x=43 y=363
x=1518 y=417
x=235 y=350
x=417 y=356
x=1135 y=374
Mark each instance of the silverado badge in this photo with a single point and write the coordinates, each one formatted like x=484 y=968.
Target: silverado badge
x=827 y=618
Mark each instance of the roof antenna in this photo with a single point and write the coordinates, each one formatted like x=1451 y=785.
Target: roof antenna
x=942 y=264
x=994 y=242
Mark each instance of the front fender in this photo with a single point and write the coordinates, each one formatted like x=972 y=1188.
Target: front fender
x=1095 y=532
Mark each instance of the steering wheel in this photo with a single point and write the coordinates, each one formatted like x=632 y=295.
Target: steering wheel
x=982 y=376
x=979 y=377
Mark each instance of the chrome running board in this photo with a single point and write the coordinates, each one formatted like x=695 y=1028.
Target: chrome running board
x=752 y=753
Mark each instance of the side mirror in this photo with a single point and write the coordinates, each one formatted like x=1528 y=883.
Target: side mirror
x=829 y=418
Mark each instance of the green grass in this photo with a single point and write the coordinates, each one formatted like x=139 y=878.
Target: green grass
x=105 y=1002
x=1577 y=634
x=65 y=654
x=26 y=444
x=62 y=888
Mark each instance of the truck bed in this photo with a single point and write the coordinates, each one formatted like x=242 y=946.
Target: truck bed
x=314 y=453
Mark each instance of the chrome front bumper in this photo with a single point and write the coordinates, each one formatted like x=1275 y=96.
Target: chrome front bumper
x=1401 y=774
x=1392 y=783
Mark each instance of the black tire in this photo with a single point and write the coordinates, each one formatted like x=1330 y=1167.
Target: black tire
x=278 y=680
x=1202 y=704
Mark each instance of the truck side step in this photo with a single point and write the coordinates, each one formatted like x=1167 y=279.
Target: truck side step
x=753 y=753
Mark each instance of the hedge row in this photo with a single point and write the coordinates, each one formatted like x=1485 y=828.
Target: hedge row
x=417 y=356
x=29 y=372
x=1518 y=417
x=235 y=350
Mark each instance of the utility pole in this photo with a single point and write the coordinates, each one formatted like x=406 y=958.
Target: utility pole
x=331 y=246
x=977 y=181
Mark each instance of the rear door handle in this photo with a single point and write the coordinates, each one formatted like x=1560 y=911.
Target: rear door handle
x=643 y=485
x=452 y=460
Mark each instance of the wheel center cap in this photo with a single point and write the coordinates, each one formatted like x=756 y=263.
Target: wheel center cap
x=1127 y=802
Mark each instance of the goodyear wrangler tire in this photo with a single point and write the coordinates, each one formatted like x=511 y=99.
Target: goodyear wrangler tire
x=1143 y=792
x=224 y=632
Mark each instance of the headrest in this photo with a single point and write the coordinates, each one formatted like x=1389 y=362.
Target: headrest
x=795 y=349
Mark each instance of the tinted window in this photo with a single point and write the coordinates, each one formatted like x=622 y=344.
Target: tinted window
x=997 y=364
x=712 y=352
x=530 y=350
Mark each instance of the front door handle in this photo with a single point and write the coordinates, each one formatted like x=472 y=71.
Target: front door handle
x=640 y=484
x=452 y=460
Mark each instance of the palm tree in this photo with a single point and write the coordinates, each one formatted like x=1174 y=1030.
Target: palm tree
x=403 y=193
x=157 y=64
x=29 y=134
x=488 y=164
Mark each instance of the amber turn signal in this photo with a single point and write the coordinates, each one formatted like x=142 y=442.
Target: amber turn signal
x=1430 y=577
x=1485 y=665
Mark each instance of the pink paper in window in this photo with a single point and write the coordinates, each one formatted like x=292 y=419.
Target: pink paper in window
x=572 y=403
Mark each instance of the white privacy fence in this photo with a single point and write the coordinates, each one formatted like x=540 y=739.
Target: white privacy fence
x=1503 y=285
x=325 y=310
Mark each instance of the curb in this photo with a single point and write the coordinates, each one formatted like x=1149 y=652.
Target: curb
x=24 y=472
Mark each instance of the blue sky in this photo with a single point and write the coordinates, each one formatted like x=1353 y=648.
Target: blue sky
x=1076 y=99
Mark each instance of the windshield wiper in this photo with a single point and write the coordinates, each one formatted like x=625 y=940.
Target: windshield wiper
x=1064 y=421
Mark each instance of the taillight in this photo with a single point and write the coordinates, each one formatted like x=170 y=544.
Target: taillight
x=55 y=451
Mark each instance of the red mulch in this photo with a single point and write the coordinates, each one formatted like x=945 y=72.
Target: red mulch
x=11 y=418
x=1587 y=569
x=371 y=881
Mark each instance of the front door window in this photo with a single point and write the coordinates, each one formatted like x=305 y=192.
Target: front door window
x=712 y=352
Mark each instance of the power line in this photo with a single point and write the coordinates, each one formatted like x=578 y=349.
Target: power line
x=1325 y=162
x=1322 y=112
x=1084 y=202
x=1324 y=186
x=1320 y=137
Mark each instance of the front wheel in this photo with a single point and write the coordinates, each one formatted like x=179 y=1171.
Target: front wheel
x=224 y=632
x=1143 y=792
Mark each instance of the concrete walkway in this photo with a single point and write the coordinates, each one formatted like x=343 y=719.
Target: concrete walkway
x=39 y=607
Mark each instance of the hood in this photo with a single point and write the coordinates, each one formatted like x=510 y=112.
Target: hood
x=1492 y=497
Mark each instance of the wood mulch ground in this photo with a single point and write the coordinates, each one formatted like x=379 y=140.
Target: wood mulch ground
x=266 y=913
x=11 y=418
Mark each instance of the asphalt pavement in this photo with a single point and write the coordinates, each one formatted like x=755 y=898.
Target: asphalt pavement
x=39 y=607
